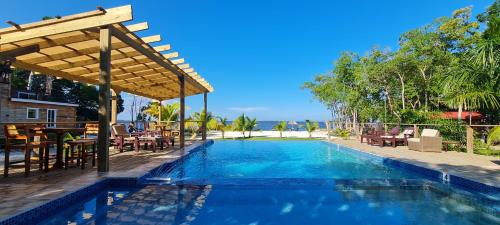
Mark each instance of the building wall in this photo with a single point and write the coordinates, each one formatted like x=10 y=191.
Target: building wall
x=11 y=111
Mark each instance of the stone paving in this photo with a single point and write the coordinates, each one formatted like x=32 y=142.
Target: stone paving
x=484 y=169
x=19 y=193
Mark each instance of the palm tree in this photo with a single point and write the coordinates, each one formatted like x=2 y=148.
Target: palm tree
x=169 y=112
x=199 y=117
x=239 y=124
x=221 y=125
x=250 y=125
x=311 y=127
x=281 y=126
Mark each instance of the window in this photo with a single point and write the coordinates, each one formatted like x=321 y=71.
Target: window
x=51 y=117
x=32 y=113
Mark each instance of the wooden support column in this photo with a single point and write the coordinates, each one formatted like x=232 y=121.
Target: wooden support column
x=470 y=140
x=104 y=99
x=204 y=131
x=159 y=112
x=181 y=112
x=114 y=106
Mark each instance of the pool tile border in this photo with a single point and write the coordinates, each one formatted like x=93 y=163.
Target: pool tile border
x=434 y=174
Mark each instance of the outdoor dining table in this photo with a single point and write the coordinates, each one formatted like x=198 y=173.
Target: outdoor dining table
x=59 y=132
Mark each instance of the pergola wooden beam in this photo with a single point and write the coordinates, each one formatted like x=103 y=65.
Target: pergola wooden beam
x=58 y=26
x=151 y=39
x=12 y=54
x=177 y=61
x=171 y=55
x=138 y=27
x=183 y=66
x=162 y=48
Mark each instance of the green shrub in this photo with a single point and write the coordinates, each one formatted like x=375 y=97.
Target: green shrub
x=343 y=133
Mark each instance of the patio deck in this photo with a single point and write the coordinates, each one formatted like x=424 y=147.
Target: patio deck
x=19 y=193
x=484 y=169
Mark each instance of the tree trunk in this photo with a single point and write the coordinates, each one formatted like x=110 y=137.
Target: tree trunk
x=426 y=95
x=459 y=112
x=401 y=79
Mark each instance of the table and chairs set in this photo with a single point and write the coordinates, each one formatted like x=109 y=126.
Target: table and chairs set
x=33 y=140
x=430 y=140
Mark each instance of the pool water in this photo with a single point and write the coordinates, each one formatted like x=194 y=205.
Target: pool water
x=281 y=182
x=272 y=204
x=280 y=159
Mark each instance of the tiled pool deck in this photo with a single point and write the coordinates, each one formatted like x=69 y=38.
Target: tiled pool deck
x=483 y=169
x=19 y=194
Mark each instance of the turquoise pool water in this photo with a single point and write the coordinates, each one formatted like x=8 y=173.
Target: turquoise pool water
x=272 y=204
x=281 y=182
x=280 y=159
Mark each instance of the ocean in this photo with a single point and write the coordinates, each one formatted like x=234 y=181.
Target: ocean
x=261 y=125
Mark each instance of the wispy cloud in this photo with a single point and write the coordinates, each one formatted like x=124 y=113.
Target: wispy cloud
x=247 y=109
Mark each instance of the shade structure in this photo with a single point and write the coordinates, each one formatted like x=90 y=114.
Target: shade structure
x=464 y=115
x=97 y=48
x=68 y=47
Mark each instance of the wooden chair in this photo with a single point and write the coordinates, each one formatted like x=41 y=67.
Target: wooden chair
x=33 y=138
x=79 y=150
x=367 y=135
x=123 y=138
x=91 y=131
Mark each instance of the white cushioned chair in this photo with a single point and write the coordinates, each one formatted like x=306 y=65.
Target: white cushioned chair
x=429 y=141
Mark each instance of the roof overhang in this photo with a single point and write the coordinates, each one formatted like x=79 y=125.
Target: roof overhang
x=68 y=47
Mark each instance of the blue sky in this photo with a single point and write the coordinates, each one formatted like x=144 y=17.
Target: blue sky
x=258 y=53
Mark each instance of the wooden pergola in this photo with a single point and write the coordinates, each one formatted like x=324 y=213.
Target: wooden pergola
x=97 y=48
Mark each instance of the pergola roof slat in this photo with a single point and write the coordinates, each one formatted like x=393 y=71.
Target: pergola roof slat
x=69 y=47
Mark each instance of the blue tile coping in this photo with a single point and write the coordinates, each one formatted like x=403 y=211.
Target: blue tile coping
x=435 y=184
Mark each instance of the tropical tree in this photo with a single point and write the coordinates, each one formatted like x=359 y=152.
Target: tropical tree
x=169 y=112
x=222 y=125
x=250 y=125
x=311 y=127
x=240 y=124
x=281 y=126
x=450 y=64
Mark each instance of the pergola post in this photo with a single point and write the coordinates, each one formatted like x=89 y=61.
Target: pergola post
x=204 y=131
x=159 y=112
x=104 y=99
x=114 y=106
x=181 y=112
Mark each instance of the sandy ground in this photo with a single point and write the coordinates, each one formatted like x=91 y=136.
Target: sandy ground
x=291 y=134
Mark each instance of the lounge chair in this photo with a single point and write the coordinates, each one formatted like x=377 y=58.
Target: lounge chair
x=429 y=141
x=122 y=137
x=395 y=139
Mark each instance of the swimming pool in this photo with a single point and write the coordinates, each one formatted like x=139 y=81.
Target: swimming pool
x=280 y=159
x=280 y=182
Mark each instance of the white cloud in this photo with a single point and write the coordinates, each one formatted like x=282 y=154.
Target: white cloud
x=247 y=109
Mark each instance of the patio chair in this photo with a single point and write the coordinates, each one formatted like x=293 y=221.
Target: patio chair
x=367 y=134
x=429 y=141
x=91 y=131
x=33 y=139
x=122 y=137
x=395 y=139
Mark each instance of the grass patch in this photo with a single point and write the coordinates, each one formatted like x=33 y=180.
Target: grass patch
x=272 y=139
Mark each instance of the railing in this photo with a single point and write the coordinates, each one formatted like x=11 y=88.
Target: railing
x=466 y=139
